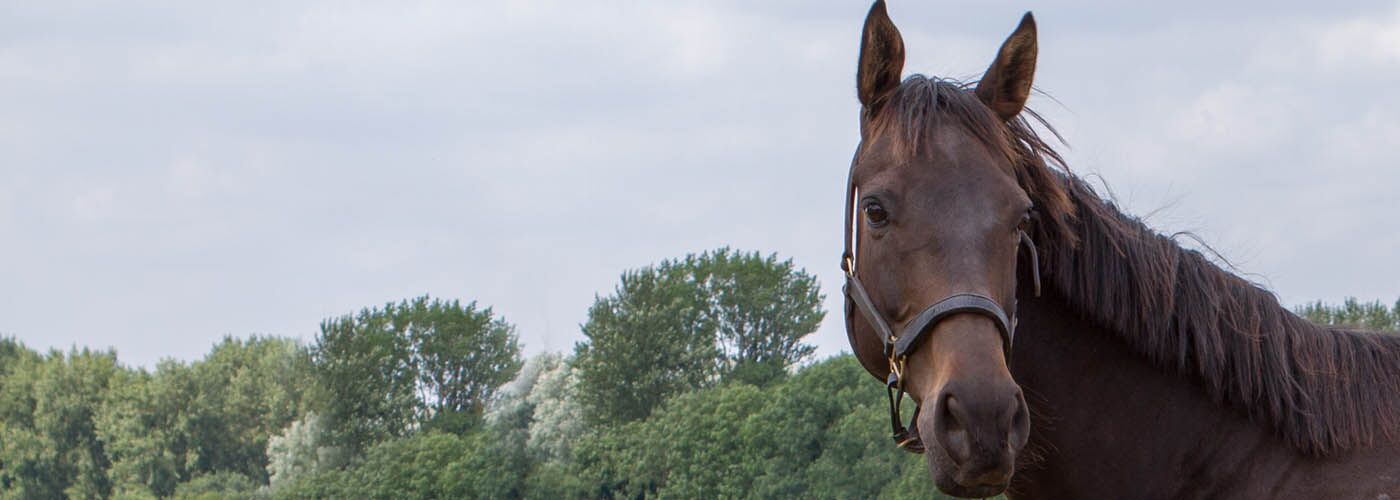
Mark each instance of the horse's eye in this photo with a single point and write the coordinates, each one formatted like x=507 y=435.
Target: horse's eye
x=876 y=214
x=1025 y=224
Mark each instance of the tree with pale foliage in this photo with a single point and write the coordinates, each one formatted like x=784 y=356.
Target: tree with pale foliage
x=541 y=404
x=299 y=451
x=558 y=415
x=511 y=408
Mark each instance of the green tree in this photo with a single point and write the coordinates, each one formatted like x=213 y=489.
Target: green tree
x=365 y=372
x=20 y=448
x=1353 y=313
x=48 y=440
x=647 y=341
x=217 y=486
x=818 y=434
x=800 y=422
x=761 y=309
x=426 y=465
x=209 y=417
x=462 y=355
x=413 y=364
x=247 y=391
x=11 y=352
x=683 y=324
x=325 y=483
x=143 y=425
x=615 y=462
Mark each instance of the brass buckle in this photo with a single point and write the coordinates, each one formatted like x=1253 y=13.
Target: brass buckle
x=897 y=368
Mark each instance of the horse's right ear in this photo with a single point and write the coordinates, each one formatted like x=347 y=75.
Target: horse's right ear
x=881 y=59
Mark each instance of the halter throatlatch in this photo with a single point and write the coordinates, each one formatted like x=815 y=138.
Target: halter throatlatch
x=898 y=347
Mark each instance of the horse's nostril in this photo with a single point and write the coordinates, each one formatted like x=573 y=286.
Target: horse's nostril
x=952 y=431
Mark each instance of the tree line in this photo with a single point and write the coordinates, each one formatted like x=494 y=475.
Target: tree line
x=693 y=381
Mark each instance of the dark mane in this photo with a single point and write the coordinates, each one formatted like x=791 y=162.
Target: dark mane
x=1323 y=391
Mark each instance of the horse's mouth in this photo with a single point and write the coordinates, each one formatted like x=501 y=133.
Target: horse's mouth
x=957 y=489
x=955 y=480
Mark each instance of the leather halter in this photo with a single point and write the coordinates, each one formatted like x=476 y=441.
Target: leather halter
x=898 y=347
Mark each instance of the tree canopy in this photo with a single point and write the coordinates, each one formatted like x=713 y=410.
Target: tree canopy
x=693 y=382
x=417 y=363
x=690 y=322
x=760 y=307
x=646 y=342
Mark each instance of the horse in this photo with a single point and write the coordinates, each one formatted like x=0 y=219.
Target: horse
x=1140 y=368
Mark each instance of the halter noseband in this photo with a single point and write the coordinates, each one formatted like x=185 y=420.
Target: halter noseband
x=898 y=347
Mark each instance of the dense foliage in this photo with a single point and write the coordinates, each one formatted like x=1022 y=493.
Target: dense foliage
x=1353 y=313
x=419 y=363
x=646 y=342
x=80 y=425
x=689 y=385
x=688 y=323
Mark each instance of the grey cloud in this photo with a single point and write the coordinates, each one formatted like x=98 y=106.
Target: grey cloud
x=172 y=173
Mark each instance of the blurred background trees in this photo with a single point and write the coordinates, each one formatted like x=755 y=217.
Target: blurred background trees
x=1353 y=313
x=692 y=381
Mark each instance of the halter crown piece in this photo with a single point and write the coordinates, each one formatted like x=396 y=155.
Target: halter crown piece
x=898 y=347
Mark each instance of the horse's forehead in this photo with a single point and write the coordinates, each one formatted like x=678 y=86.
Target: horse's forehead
x=946 y=150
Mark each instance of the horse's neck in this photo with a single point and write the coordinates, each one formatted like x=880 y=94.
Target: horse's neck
x=1108 y=424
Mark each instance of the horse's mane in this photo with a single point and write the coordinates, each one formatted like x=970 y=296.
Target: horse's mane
x=1322 y=390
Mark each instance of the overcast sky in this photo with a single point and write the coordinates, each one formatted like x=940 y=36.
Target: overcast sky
x=174 y=172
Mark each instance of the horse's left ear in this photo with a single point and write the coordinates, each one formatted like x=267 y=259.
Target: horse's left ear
x=1007 y=84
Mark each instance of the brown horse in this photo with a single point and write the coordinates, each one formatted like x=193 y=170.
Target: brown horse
x=1142 y=371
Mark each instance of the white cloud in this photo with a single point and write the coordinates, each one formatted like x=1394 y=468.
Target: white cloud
x=1241 y=117
x=1359 y=42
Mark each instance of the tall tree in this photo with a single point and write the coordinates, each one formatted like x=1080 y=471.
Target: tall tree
x=420 y=362
x=20 y=448
x=462 y=355
x=682 y=324
x=11 y=350
x=649 y=340
x=761 y=308
x=143 y=424
x=248 y=391
x=364 y=371
x=48 y=441
x=213 y=416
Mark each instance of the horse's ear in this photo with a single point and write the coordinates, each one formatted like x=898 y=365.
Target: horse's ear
x=881 y=58
x=1007 y=84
